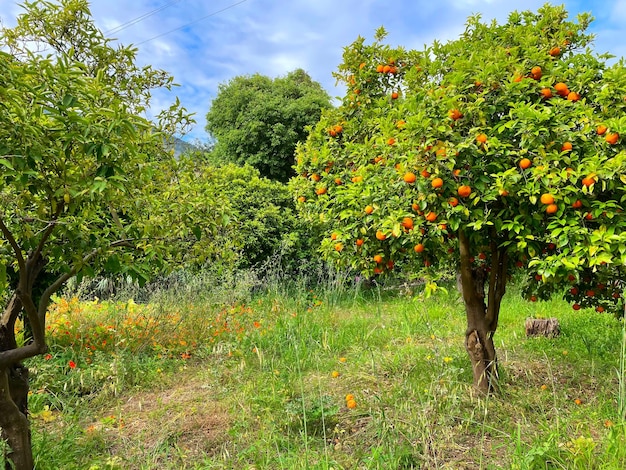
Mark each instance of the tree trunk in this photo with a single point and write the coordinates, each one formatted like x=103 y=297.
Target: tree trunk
x=482 y=316
x=14 y=388
x=14 y=422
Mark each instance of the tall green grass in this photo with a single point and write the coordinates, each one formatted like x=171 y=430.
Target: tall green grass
x=275 y=397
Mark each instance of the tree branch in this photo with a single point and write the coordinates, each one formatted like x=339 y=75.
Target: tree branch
x=16 y=248
x=62 y=279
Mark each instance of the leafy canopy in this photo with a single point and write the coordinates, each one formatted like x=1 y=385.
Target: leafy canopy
x=509 y=135
x=259 y=121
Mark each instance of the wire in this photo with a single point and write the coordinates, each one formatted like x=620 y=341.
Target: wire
x=190 y=23
x=129 y=23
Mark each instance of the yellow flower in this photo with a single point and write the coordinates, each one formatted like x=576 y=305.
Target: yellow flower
x=447 y=359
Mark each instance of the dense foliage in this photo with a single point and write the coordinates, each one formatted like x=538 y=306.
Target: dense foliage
x=258 y=120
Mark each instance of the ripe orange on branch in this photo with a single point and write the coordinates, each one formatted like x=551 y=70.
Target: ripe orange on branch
x=546 y=199
x=464 y=191
x=601 y=129
x=455 y=114
x=589 y=179
x=552 y=209
x=481 y=138
x=612 y=138
x=437 y=183
x=525 y=163
x=561 y=89
x=409 y=177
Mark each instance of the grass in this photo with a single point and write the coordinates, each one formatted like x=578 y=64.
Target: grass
x=239 y=380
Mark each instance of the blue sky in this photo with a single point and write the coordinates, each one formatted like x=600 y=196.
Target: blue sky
x=219 y=39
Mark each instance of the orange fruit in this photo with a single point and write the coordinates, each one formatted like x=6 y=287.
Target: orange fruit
x=425 y=173
x=456 y=172
x=409 y=177
x=369 y=209
x=437 y=183
x=400 y=123
x=573 y=96
x=503 y=192
x=561 y=89
x=453 y=201
x=577 y=204
x=378 y=259
x=359 y=242
x=536 y=72
x=455 y=114
x=431 y=216
x=315 y=177
x=464 y=191
x=552 y=208
x=546 y=93
x=481 y=138
x=517 y=78
x=320 y=191
x=361 y=65
x=357 y=179
x=601 y=129
x=589 y=179
x=407 y=223
x=386 y=68
x=381 y=235
x=612 y=138
x=391 y=141
x=546 y=199
x=301 y=199
x=338 y=181
x=555 y=51
x=566 y=147
x=380 y=68
x=338 y=247
x=394 y=95
x=333 y=236
x=419 y=248
x=525 y=163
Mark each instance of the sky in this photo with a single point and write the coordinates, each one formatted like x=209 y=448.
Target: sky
x=206 y=43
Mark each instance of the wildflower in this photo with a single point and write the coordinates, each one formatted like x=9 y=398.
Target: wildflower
x=608 y=423
x=335 y=374
x=342 y=359
x=578 y=401
x=351 y=404
x=447 y=359
x=257 y=324
x=349 y=397
x=544 y=387
x=565 y=352
x=48 y=357
x=185 y=355
x=72 y=364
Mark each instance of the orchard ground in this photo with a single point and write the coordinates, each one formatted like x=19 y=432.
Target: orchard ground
x=245 y=381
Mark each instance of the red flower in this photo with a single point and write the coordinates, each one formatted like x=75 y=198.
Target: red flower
x=48 y=357
x=72 y=365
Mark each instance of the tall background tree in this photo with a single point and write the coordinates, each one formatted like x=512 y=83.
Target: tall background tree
x=495 y=152
x=80 y=174
x=258 y=120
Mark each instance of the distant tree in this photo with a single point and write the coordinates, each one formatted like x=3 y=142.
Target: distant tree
x=259 y=121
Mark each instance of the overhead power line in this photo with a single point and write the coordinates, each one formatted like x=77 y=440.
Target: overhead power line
x=129 y=23
x=191 y=22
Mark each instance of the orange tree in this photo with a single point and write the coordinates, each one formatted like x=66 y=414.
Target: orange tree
x=497 y=151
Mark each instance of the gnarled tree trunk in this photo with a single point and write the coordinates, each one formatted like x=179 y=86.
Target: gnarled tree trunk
x=482 y=313
x=14 y=396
